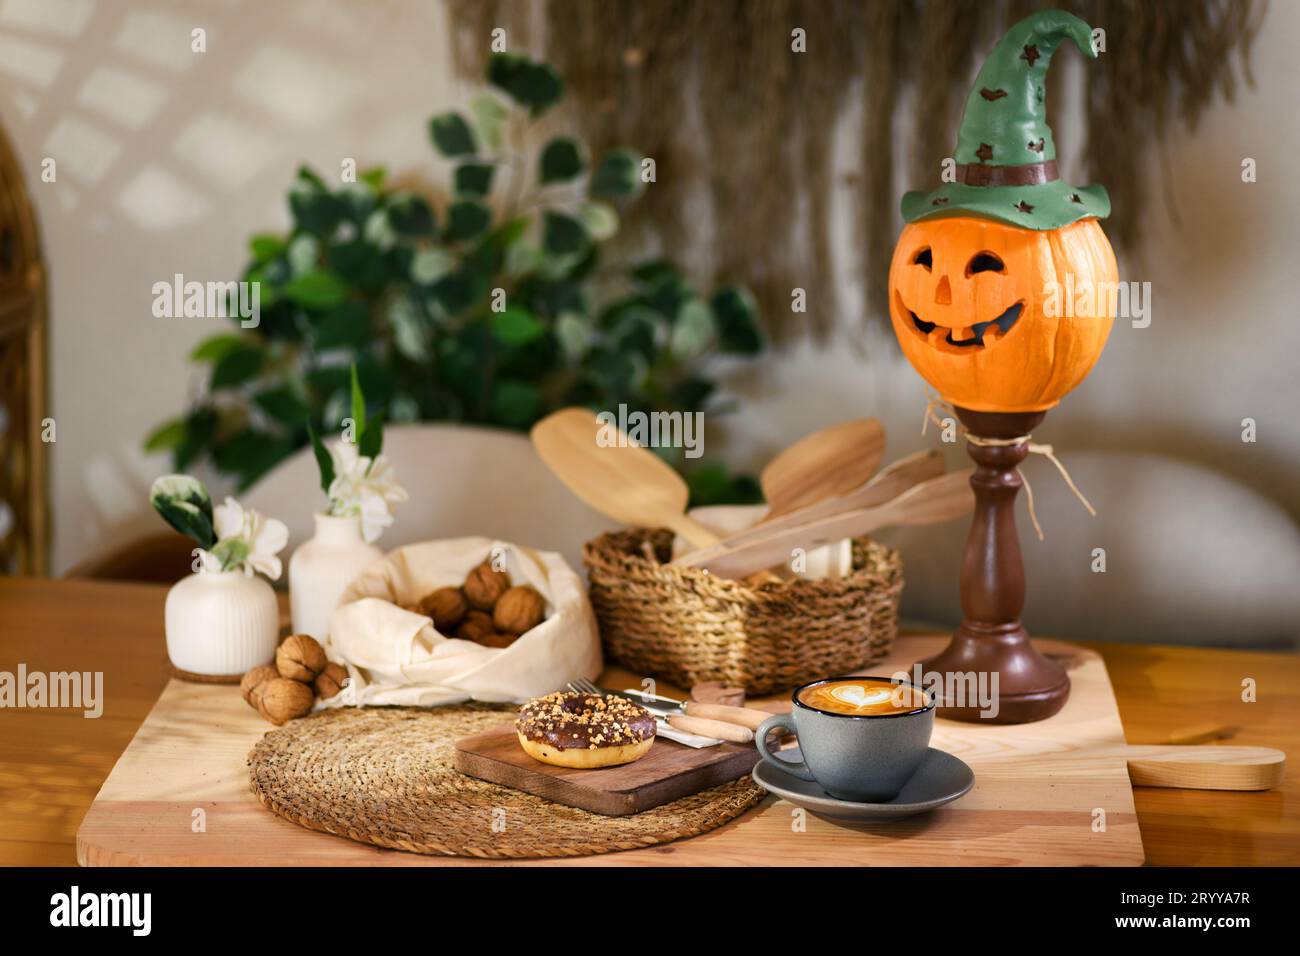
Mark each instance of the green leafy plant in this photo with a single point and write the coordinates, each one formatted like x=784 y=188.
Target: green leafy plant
x=493 y=305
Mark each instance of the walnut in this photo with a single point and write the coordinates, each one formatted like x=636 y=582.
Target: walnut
x=331 y=680
x=496 y=639
x=300 y=658
x=518 y=610
x=484 y=586
x=476 y=625
x=284 y=699
x=254 y=683
x=447 y=607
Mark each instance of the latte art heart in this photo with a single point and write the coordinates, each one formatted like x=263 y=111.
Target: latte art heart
x=856 y=695
x=858 y=698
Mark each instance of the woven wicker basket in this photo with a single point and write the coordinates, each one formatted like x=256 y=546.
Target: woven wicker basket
x=686 y=626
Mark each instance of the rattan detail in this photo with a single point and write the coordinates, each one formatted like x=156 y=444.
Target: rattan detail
x=686 y=626
x=385 y=776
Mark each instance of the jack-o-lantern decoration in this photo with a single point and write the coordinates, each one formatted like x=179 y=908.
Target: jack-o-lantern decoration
x=998 y=318
x=1002 y=286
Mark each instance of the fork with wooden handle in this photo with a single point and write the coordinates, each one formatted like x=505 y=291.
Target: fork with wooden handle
x=939 y=499
x=720 y=721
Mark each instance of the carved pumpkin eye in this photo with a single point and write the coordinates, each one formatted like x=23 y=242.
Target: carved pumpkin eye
x=985 y=262
x=923 y=258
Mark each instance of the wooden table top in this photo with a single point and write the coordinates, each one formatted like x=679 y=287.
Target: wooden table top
x=52 y=762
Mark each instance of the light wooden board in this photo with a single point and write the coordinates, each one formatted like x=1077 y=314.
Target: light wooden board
x=668 y=772
x=1052 y=793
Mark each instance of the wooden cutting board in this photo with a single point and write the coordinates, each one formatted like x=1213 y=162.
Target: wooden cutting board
x=1054 y=793
x=669 y=771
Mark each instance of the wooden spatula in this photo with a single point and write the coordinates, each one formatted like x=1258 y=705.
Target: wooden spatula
x=824 y=464
x=939 y=499
x=892 y=481
x=831 y=461
x=620 y=480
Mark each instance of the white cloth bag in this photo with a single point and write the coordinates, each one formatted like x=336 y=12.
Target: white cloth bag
x=396 y=657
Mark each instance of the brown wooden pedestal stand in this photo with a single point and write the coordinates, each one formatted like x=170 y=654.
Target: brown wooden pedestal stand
x=990 y=638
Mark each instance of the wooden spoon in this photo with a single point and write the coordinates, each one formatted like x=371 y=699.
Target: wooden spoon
x=939 y=499
x=619 y=479
x=826 y=463
x=891 y=482
x=831 y=461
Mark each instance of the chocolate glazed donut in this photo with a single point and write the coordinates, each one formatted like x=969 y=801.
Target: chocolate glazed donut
x=584 y=731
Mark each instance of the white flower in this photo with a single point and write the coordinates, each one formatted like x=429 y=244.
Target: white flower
x=364 y=487
x=209 y=563
x=247 y=539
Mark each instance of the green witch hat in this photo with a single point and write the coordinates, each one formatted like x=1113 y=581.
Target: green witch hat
x=1006 y=157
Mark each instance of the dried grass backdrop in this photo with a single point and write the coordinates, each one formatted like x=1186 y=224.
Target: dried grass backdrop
x=712 y=91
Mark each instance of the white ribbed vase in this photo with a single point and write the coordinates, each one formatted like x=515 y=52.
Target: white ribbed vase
x=221 y=623
x=322 y=568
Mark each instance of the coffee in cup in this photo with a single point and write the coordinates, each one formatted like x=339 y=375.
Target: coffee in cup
x=861 y=738
x=856 y=697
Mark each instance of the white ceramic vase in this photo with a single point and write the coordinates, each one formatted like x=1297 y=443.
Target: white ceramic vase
x=322 y=568
x=220 y=624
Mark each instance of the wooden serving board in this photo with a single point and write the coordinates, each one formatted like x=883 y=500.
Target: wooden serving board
x=1052 y=793
x=669 y=771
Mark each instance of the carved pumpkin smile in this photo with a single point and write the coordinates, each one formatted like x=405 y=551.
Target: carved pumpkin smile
x=973 y=336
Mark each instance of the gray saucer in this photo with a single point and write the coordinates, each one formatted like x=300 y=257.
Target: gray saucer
x=942 y=778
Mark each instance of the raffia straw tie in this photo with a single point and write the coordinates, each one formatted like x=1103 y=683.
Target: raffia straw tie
x=1027 y=440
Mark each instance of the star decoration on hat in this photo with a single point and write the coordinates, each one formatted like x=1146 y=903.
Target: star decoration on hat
x=1006 y=162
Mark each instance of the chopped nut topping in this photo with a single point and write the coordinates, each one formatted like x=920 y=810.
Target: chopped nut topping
x=568 y=720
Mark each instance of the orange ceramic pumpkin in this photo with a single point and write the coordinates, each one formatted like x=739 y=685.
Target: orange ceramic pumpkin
x=999 y=318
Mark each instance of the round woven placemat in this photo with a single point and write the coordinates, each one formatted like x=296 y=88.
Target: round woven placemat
x=385 y=776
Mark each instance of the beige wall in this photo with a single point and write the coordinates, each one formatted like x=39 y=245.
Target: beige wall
x=168 y=160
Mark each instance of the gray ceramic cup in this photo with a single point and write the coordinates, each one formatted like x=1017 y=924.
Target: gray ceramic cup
x=866 y=759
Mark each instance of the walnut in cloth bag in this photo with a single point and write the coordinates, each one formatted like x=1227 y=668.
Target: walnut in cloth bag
x=397 y=657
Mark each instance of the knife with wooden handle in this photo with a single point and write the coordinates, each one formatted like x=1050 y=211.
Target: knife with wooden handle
x=740 y=716
x=712 y=728
x=746 y=717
